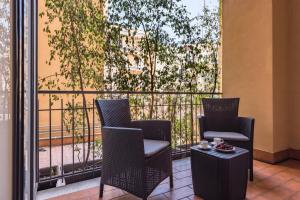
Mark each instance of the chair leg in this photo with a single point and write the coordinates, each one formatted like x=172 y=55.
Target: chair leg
x=171 y=181
x=251 y=168
x=251 y=173
x=101 y=189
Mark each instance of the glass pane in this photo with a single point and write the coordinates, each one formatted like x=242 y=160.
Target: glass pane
x=5 y=101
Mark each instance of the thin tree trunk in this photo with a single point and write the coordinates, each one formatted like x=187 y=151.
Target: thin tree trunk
x=215 y=75
x=152 y=68
x=152 y=71
x=84 y=103
x=173 y=116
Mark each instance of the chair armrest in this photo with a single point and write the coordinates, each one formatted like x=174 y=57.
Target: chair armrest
x=123 y=149
x=201 y=126
x=246 y=127
x=154 y=129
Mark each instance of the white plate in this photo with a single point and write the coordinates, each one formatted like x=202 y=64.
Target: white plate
x=205 y=148
x=213 y=143
x=226 y=151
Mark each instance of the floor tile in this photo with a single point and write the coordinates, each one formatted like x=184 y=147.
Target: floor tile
x=158 y=197
x=278 y=193
x=271 y=182
x=296 y=196
x=194 y=197
x=179 y=193
x=292 y=185
x=182 y=174
x=254 y=191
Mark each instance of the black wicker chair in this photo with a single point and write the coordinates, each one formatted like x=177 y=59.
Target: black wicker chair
x=136 y=154
x=221 y=120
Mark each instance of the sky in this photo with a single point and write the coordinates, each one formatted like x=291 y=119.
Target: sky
x=196 y=6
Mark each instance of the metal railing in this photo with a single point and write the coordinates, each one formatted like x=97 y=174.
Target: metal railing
x=69 y=132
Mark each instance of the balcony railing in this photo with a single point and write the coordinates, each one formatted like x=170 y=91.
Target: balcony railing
x=69 y=132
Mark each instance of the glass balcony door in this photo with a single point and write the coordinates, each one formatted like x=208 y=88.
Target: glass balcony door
x=5 y=100
x=17 y=98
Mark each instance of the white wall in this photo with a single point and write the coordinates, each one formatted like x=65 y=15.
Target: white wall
x=5 y=104
x=5 y=160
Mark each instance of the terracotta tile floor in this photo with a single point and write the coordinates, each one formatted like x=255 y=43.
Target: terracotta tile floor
x=271 y=182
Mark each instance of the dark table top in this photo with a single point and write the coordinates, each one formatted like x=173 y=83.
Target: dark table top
x=238 y=151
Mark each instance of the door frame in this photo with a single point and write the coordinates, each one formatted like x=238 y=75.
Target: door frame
x=23 y=160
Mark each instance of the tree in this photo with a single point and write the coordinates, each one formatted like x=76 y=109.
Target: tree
x=211 y=36
x=200 y=50
x=116 y=61
x=178 y=52
x=155 y=47
x=97 y=51
x=78 y=44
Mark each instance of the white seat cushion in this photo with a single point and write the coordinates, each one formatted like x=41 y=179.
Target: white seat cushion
x=225 y=135
x=152 y=147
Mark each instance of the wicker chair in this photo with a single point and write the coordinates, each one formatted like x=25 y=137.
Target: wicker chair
x=221 y=120
x=136 y=154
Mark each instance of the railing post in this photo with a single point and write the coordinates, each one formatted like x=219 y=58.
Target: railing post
x=37 y=143
x=180 y=122
x=192 y=121
x=73 y=135
x=50 y=136
x=62 y=137
x=83 y=131
x=93 y=136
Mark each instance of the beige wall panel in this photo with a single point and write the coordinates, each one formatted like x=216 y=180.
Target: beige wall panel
x=247 y=63
x=294 y=71
x=280 y=76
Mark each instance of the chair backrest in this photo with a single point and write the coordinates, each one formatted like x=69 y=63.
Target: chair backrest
x=114 y=113
x=221 y=114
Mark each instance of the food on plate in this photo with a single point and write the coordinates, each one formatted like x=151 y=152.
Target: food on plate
x=225 y=147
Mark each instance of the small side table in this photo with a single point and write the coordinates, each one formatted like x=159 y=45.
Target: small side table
x=219 y=175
